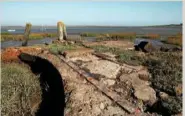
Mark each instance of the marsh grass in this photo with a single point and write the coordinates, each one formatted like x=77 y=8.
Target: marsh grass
x=56 y=48
x=150 y=36
x=166 y=76
x=165 y=69
x=110 y=36
x=123 y=56
x=20 y=37
x=176 y=39
x=19 y=90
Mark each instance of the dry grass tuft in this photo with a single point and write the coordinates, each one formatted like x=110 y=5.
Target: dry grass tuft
x=20 y=90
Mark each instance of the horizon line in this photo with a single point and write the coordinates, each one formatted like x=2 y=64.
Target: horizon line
x=101 y=25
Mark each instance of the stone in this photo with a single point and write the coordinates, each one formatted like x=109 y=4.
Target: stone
x=102 y=106
x=109 y=82
x=147 y=94
x=103 y=67
x=45 y=52
x=119 y=90
x=147 y=45
x=143 y=75
x=163 y=95
x=62 y=33
x=71 y=42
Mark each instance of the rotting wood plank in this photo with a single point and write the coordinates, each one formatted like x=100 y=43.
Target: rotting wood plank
x=124 y=104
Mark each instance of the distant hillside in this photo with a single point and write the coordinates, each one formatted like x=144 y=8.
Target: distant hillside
x=170 y=25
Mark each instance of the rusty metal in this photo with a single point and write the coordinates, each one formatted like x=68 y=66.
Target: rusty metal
x=124 y=104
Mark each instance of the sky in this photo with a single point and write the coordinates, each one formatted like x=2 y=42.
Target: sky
x=102 y=13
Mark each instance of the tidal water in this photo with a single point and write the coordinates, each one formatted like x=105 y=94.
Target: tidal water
x=163 y=31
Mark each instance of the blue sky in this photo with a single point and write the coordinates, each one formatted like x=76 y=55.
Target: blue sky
x=91 y=13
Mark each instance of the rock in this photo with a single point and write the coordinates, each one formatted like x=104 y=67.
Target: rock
x=163 y=95
x=143 y=75
x=147 y=94
x=109 y=82
x=62 y=34
x=127 y=70
x=71 y=42
x=147 y=45
x=46 y=43
x=103 y=67
x=178 y=89
x=45 y=52
x=119 y=90
x=102 y=106
x=96 y=109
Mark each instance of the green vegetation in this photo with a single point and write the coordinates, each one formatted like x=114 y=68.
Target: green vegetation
x=166 y=71
x=8 y=36
x=5 y=33
x=110 y=36
x=123 y=56
x=19 y=88
x=89 y=34
x=56 y=48
x=167 y=65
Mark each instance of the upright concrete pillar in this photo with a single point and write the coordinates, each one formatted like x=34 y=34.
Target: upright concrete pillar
x=62 y=33
x=26 y=34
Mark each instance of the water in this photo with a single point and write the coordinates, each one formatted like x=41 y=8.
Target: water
x=13 y=43
x=163 y=31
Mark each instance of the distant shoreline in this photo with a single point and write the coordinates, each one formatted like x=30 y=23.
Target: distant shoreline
x=39 y=26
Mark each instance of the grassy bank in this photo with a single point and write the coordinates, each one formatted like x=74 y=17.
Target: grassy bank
x=19 y=37
x=20 y=90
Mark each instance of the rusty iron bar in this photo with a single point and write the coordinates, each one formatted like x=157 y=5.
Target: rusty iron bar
x=124 y=104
